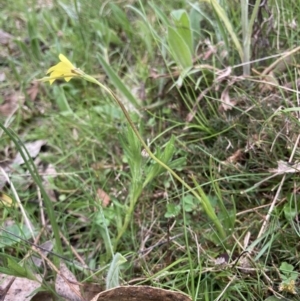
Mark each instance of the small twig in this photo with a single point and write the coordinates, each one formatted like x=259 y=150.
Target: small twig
x=73 y=250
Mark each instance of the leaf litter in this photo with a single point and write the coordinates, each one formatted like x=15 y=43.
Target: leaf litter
x=66 y=284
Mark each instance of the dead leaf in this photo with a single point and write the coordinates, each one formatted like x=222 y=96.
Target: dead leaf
x=211 y=50
x=103 y=197
x=285 y=167
x=20 y=289
x=33 y=149
x=5 y=169
x=66 y=284
x=235 y=157
x=44 y=249
x=33 y=90
x=2 y=76
x=45 y=296
x=140 y=293
x=226 y=102
x=11 y=103
x=270 y=83
x=5 y=38
x=8 y=284
x=223 y=74
x=90 y=290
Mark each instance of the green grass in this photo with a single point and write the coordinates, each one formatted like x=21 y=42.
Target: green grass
x=171 y=88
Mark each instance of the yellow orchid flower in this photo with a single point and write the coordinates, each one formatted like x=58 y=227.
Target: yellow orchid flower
x=64 y=69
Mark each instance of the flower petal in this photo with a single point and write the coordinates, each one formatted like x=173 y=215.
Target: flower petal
x=59 y=67
x=66 y=61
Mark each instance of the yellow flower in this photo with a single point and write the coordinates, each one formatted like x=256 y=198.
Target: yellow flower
x=64 y=69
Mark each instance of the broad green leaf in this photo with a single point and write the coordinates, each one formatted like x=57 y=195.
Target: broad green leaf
x=17 y=234
x=183 y=26
x=112 y=278
x=189 y=203
x=290 y=212
x=169 y=150
x=172 y=210
x=179 y=49
x=286 y=267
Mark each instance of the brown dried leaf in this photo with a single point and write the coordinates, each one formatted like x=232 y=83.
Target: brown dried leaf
x=11 y=103
x=140 y=293
x=235 y=157
x=226 y=102
x=91 y=289
x=44 y=249
x=33 y=149
x=20 y=289
x=5 y=286
x=66 y=284
x=270 y=83
x=33 y=90
x=103 y=197
x=5 y=38
x=223 y=74
x=285 y=167
x=2 y=76
x=44 y=296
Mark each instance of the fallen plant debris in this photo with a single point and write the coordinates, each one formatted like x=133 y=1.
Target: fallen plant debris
x=66 y=284
x=136 y=293
x=285 y=167
x=11 y=103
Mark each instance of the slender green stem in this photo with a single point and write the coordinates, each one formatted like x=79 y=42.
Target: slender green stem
x=137 y=133
x=205 y=203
